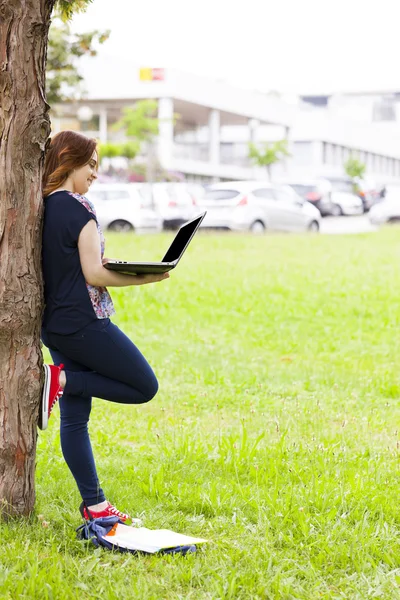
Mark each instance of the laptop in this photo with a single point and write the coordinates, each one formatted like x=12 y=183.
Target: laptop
x=173 y=256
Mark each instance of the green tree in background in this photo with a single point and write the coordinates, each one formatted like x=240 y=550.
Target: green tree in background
x=354 y=168
x=127 y=150
x=141 y=126
x=269 y=154
x=63 y=81
x=140 y=122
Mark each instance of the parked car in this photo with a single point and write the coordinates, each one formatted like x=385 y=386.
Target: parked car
x=120 y=207
x=388 y=210
x=316 y=191
x=344 y=199
x=388 y=188
x=257 y=206
x=173 y=201
x=331 y=196
x=368 y=192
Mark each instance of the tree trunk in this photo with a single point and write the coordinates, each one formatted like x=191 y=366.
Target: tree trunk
x=24 y=130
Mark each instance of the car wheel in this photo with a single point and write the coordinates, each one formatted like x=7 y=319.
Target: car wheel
x=257 y=227
x=313 y=227
x=120 y=226
x=337 y=210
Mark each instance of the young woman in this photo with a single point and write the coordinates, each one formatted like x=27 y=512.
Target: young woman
x=91 y=355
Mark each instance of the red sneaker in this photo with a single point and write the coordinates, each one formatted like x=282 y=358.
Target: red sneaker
x=109 y=511
x=51 y=393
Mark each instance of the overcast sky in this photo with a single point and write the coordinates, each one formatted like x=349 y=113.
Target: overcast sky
x=293 y=46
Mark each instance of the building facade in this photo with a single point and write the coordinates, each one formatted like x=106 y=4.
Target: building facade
x=208 y=140
x=192 y=145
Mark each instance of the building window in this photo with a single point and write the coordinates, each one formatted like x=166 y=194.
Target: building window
x=227 y=152
x=92 y=125
x=324 y=152
x=303 y=153
x=384 y=109
x=334 y=150
x=328 y=159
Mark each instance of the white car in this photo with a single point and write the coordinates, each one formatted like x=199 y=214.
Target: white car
x=120 y=207
x=257 y=206
x=173 y=201
x=344 y=200
x=388 y=210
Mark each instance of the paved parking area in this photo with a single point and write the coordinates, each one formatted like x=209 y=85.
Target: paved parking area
x=340 y=225
x=329 y=226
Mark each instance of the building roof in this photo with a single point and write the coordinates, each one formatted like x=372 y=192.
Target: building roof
x=109 y=78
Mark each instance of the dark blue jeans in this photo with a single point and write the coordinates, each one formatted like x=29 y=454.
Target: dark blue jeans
x=101 y=361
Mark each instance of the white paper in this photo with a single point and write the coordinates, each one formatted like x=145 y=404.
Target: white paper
x=149 y=540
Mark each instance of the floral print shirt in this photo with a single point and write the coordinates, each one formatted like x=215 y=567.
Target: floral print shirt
x=99 y=296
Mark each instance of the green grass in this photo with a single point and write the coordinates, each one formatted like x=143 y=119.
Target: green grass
x=275 y=433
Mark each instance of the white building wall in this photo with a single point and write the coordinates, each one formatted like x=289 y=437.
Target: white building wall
x=320 y=139
x=203 y=91
x=166 y=130
x=320 y=144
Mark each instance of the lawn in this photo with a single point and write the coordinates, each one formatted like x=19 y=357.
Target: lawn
x=275 y=433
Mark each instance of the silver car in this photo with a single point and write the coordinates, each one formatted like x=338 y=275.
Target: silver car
x=257 y=206
x=120 y=207
x=174 y=202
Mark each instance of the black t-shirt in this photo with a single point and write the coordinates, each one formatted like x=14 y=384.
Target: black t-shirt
x=70 y=303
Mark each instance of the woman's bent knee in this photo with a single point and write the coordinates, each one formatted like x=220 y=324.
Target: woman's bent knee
x=152 y=390
x=142 y=394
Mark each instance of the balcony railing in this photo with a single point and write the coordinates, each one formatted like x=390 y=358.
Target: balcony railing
x=201 y=152
x=191 y=152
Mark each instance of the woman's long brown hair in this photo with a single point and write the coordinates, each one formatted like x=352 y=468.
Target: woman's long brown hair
x=68 y=150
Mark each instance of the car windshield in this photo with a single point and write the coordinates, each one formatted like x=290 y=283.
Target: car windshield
x=303 y=189
x=342 y=186
x=117 y=195
x=178 y=194
x=145 y=196
x=220 y=194
x=97 y=195
x=108 y=195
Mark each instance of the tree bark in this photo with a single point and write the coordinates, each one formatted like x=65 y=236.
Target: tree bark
x=24 y=131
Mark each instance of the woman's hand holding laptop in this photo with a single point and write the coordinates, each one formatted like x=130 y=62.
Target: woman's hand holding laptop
x=142 y=279
x=170 y=260
x=150 y=277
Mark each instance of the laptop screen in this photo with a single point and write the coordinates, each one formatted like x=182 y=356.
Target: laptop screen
x=182 y=239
